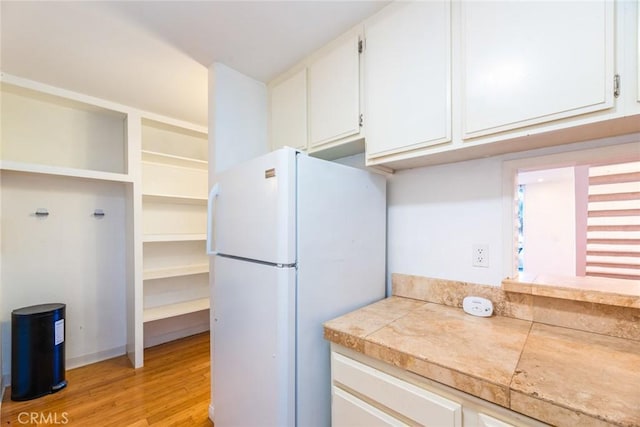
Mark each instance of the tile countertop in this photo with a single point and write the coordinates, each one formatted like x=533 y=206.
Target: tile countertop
x=558 y=375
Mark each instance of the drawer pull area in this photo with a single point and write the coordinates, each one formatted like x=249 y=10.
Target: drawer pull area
x=410 y=401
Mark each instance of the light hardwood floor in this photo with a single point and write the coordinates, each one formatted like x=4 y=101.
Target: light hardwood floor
x=172 y=389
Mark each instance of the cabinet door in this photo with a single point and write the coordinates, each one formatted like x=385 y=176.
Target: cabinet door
x=348 y=410
x=407 y=77
x=289 y=112
x=334 y=94
x=531 y=62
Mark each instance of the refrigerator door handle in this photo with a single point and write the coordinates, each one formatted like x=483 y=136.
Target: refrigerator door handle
x=215 y=191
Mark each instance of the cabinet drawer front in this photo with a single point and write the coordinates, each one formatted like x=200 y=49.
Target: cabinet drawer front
x=404 y=398
x=348 y=410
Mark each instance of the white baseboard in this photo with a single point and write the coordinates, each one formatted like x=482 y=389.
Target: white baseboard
x=211 y=412
x=76 y=362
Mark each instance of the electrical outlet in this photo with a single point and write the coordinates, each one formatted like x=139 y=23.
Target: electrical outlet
x=480 y=256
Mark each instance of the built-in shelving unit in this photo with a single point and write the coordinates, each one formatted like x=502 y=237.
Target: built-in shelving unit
x=135 y=273
x=51 y=134
x=174 y=207
x=66 y=154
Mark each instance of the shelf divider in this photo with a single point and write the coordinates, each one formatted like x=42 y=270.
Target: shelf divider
x=35 y=168
x=163 y=273
x=177 y=309
x=171 y=198
x=148 y=238
x=173 y=160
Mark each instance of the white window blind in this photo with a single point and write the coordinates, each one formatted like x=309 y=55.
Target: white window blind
x=613 y=221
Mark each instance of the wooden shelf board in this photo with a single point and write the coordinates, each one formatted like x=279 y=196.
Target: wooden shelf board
x=172 y=198
x=9 y=165
x=177 y=309
x=173 y=237
x=172 y=160
x=162 y=273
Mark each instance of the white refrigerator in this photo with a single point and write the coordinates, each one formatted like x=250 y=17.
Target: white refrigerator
x=296 y=241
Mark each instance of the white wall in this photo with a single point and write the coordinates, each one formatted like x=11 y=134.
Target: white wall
x=550 y=227
x=69 y=256
x=436 y=214
x=237 y=118
x=237 y=132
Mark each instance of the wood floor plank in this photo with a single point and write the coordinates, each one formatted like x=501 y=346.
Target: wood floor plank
x=173 y=388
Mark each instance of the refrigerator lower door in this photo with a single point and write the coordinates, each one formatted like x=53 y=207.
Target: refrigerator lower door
x=253 y=344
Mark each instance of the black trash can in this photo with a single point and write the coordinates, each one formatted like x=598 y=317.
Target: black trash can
x=37 y=351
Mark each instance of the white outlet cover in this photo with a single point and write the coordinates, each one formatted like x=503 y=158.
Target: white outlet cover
x=480 y=256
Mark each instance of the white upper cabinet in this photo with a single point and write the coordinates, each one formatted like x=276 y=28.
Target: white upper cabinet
x=289 y=112
x=407 y=77
x=531 y=62
x=334 y=93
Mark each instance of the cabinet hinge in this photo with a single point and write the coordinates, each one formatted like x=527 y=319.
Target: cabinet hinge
x=616 y=85
x=361 y=120
x=360 y=46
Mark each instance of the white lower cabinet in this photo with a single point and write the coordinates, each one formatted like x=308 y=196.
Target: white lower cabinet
x=367 y=392
x=401 y=399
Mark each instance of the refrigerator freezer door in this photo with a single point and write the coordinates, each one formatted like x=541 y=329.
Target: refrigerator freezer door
x=254 y=215
x=253 y=344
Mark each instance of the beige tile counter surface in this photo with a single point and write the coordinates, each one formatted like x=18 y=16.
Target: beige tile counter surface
x=561 y=376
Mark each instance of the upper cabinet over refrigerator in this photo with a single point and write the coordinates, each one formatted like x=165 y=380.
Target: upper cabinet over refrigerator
x=288 y=100
x=407 y=77
x=334 y=93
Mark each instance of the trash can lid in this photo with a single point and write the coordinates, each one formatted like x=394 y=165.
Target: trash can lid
x=37 y=309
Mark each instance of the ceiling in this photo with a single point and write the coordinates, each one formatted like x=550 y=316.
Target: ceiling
x=154 y=55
